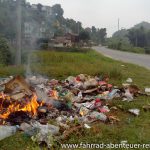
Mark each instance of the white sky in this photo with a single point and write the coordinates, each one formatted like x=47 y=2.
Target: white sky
x=104 y=13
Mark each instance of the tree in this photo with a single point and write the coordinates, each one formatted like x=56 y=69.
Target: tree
x=5 y=55
x=93 y=29
x=57 y=10
x=84 y=35
x=137 y=37
x=102 y=35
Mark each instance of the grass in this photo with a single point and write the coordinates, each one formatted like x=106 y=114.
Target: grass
x=62 y=64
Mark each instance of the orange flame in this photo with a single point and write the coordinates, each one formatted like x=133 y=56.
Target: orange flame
x=30 y=107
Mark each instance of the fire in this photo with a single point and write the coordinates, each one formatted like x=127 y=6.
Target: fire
x=27 y=106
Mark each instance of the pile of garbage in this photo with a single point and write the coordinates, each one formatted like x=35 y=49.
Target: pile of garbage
x=31 y=104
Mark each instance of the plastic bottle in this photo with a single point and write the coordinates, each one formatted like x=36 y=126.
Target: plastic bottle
x=99 y=116
x=6 y=131
x=112 y=94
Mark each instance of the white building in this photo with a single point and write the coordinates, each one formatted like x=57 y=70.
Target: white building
x=47 y=10
x=34 y=6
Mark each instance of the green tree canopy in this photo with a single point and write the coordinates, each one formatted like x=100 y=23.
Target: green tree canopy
x=84 y=35
x=5 y=55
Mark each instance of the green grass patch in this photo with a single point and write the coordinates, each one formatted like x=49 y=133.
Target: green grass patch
x=59 y=65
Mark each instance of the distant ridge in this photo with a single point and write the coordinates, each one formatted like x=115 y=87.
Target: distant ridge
x=124 y=32
x=144 y=24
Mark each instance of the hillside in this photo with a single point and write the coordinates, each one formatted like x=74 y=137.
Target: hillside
x=124 y=32
x=143 y=24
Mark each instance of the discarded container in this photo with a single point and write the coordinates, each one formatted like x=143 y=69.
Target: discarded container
x=147 y=90
x=89 y=105
x=125 y=85
x=128 y=95
x=81 y=77
x=16 y=85
x=87 y=126
x=6 y=131
x=42 y=109
x=92 y=105
x=103 y=95
x=90 y=83
x=69 y=96
x=129 y=80
x=34 y=80
x=112 y=94
x=102 y=83
x=71 y=80
x=99 y=116
x=104 y=109
x=83 y=111
x=80 y=95
x=46 y=128
x=53 y=94
x=97 y=103
x=71 y=119
x=134 y=111
x=25 y=127
x=43 y=136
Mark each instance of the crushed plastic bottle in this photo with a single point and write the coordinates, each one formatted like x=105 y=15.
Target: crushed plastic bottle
x=6 y=131
x=99 y=116
x=112 y=94
x=147 y=90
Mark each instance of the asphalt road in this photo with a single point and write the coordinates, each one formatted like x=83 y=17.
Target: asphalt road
x=138 y=59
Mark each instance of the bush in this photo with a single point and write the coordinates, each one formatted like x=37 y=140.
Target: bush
x=123 y=44
x=147 y=50
x=5 y=55
x=138 y=50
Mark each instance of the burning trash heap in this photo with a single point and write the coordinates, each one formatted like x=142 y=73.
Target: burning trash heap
x=30 y=104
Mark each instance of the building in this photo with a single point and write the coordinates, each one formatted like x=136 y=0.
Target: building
x=74 y=38
x=34 y=6
x=68 y=40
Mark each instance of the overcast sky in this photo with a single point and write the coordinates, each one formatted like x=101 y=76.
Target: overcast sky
x=104 y=13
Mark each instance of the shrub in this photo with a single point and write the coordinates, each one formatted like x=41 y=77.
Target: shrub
x=5 y=55
x=138 y=50
x=147 y=50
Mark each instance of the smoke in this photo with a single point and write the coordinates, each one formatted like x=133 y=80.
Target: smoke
x=19 y=33
x=33 y=24
x=28 y=72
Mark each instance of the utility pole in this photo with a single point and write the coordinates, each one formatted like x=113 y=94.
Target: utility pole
x=19 y=41
x=78 y=28
x=118 y=24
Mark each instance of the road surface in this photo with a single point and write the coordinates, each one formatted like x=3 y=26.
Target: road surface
x=138 y=59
